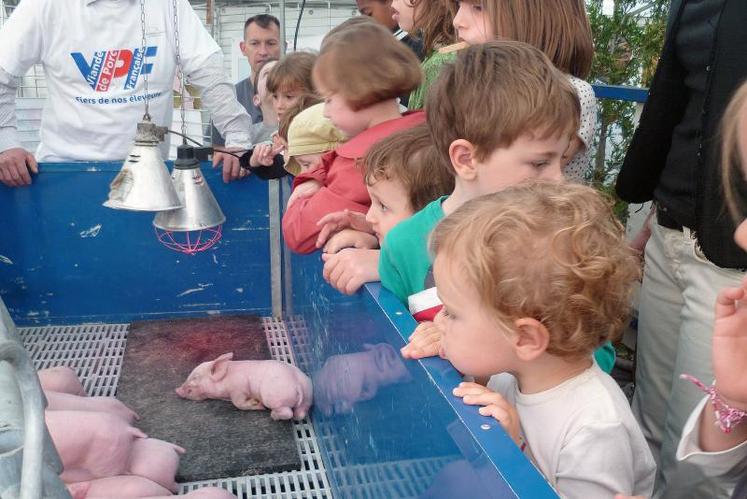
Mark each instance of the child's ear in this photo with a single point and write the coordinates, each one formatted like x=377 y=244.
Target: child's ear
x=531 y=338
x=462 y=155
x=256 y=101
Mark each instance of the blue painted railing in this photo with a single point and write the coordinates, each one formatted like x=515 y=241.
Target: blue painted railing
x=619 y=92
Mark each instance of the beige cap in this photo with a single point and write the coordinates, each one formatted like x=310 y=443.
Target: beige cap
x=310 y=133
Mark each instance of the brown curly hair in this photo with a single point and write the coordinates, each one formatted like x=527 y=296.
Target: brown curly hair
x=553 y=252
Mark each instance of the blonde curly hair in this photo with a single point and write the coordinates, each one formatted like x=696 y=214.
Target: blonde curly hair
x=552 y=252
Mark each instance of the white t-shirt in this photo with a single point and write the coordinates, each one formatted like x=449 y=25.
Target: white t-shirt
x=582 y=436
x=581 y=161
x=91 y=53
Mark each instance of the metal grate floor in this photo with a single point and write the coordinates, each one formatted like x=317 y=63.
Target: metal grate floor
x=95 y=351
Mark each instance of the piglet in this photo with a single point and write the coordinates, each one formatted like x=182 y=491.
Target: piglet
x=117 y=487
x=347 y=379
x=58 y=401
x=251 y=385
x=156 y=460
x=91 y=444
x=204 y=493
x=60 y=379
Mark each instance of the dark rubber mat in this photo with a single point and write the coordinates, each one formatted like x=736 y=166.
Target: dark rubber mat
x=221 y=441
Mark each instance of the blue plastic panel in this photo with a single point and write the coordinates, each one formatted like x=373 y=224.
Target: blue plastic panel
x=388 y=427
x=64 y=258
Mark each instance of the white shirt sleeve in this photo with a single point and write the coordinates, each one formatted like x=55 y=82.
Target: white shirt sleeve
x=218 y=97
x=202 y=61
x=598 y=462
x=730 y=464
x=22 y=38
x=8 y=131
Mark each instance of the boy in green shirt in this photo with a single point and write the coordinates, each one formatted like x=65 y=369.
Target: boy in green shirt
x=500 y=114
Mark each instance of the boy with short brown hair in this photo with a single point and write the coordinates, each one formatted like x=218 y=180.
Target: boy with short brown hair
x=500 y=114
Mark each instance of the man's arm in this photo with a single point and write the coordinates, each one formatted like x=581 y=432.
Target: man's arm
x=15 y=162
x=217 y=94
x=8 y=134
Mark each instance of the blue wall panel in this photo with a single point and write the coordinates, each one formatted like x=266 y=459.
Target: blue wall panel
x=64 y=258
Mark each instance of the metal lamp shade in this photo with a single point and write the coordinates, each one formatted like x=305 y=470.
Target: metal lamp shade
x=144 y=183
x=200 y=209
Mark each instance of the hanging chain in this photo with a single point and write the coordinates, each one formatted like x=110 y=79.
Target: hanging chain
x=142 y=59
x=180 y=73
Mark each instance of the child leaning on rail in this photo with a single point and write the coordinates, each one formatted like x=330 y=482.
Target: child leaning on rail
x=524 y=125
x=360 y=71
x=561 y=30
x=403 y=173
x=533 y=279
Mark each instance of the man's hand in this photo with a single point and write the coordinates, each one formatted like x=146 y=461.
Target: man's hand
x=15 y=165
x=339 y=220
x=350 y=269
x=425 y=341
x=231 y=168
x=349 y=238
x=305 y=190
x=493 y=404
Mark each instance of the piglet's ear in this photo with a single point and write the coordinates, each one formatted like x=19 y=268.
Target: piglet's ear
x=79 y=490
x=219 y=369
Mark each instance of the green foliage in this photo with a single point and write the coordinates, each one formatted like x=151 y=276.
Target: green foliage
x=627 y=47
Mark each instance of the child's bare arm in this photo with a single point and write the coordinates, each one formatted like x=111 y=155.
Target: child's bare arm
x=729 y=368
x=350 y=238
x=339 y=220
x=351 y=268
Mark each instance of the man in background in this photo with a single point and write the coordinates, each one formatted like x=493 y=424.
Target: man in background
x=261 y=43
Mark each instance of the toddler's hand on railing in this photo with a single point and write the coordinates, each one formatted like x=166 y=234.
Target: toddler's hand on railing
x=349 y=238
x=493 y=404
x=425 y=341
x=339 y=220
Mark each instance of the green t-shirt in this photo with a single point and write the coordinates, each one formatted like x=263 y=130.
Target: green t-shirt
x=431 y=69
x=404 y=263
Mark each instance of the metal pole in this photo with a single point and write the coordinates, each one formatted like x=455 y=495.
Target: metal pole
x=283 y=41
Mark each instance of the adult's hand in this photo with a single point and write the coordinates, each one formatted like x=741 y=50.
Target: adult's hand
x=231 y=168
x=15 y=167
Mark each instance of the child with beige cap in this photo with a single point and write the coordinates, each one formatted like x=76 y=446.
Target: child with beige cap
x=310 y=136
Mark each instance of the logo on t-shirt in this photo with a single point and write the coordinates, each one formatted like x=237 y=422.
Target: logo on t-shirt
x=109 y=65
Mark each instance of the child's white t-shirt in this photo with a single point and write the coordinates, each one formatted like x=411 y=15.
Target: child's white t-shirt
x=582 y=436
x=91 y=51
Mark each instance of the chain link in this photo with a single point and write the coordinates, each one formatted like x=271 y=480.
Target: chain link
x=142 y=58
x=180 y=73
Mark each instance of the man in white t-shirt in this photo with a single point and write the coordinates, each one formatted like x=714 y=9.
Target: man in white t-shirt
x=95 y=67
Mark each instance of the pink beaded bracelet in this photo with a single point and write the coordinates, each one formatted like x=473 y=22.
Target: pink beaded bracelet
x=727 y=417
